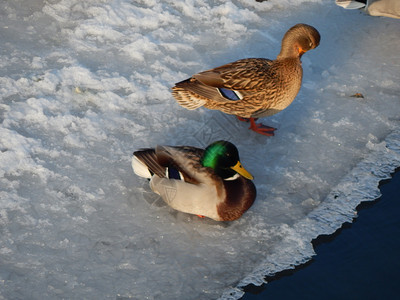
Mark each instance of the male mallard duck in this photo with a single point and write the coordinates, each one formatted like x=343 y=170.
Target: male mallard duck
x=210 y=182
x=252 y=87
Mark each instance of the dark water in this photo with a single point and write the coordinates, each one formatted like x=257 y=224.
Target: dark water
x=360 y=261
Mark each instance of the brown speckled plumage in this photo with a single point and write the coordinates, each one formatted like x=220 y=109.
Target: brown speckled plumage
x=264 y=87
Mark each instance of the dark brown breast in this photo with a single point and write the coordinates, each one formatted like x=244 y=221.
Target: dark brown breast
x=240 y=196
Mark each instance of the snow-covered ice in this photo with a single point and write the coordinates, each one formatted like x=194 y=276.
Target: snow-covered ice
x=85 y=83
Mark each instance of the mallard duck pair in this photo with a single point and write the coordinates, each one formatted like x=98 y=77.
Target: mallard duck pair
x=212 y=182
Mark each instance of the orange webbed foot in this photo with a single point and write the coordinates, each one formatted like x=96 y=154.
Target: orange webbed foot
x=259 y=128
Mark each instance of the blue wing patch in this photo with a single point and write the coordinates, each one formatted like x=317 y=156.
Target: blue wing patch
x=174 y=174
x=229 y=94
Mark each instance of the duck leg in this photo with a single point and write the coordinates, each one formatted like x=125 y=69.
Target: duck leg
x=259 y=128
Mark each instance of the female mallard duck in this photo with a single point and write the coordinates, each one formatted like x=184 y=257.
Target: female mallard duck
x=253 y=87
x=210 y=182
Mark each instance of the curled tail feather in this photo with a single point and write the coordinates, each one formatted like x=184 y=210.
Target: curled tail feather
x=145 y=163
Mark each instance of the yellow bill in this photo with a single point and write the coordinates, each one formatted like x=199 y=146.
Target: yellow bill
x=242 y=171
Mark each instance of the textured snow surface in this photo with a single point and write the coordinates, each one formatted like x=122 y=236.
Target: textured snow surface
x=85 y=83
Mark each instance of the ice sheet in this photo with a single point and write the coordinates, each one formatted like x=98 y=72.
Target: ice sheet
x=84 y=84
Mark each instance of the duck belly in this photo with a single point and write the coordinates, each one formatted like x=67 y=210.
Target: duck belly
x=197 y=199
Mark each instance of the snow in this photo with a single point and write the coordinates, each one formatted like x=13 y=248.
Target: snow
x=85 y=83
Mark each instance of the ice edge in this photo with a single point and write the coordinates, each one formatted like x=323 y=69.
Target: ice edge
x=359 y=185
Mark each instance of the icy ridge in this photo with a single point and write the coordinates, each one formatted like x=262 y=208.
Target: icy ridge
x=339 y=207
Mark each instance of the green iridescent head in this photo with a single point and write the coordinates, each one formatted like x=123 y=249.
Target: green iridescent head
x=223 y=157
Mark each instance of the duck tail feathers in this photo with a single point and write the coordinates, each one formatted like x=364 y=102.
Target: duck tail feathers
x=185 y=97
x=140 y=169
x=145 y=164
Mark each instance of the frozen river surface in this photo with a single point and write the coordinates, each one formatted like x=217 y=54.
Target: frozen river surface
x=85 y=83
